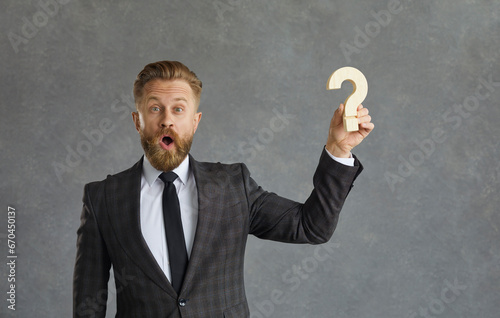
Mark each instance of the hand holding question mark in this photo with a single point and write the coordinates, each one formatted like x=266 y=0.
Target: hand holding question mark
x=358 y=95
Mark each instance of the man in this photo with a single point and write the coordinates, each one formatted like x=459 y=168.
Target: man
x=177 y=241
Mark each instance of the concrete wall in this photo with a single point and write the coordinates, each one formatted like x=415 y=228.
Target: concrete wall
x=419 y=234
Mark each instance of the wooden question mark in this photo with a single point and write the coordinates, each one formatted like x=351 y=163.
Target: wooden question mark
x=358 y=95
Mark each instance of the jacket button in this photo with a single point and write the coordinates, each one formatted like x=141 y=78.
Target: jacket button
x=182 y=302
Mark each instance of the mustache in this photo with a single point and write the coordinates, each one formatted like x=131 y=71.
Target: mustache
x=166 y=131
x=153 y=140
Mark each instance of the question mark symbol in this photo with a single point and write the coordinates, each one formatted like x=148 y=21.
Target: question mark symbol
x=358 y=95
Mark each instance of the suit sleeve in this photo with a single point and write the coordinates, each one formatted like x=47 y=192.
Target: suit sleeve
x=92 y=265
x=276 y=218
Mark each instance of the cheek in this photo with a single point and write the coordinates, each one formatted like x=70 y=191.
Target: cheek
x=183 y=126
x=140 y=122
x=192 y=128
x=148 y=124
x=149 y=130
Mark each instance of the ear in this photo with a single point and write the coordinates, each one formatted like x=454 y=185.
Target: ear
x=197 y=118
x=137 y=121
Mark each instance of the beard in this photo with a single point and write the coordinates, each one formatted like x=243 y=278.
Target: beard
x=161 y=159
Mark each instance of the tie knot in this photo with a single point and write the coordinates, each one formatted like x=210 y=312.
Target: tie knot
x=167 y=177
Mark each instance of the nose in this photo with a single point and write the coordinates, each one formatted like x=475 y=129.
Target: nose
x=166 y=120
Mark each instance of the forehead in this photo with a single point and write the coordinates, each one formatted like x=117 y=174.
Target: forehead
x=159 y=89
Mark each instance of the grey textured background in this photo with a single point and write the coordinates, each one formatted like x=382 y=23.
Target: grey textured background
x=414 y=224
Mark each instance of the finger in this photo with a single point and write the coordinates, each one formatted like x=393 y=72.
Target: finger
x=340 y=109
x=337 y=116
x=363 y=112
x=365 y=119
x=360 y=107
x=367 y=127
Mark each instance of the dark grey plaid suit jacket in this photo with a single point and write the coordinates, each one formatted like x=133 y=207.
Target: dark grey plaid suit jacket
x=231 y=206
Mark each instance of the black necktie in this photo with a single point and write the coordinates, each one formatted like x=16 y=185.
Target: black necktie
x=176 y=244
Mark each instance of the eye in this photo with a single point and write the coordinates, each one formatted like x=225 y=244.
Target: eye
x=178 y=109
x=155 y=109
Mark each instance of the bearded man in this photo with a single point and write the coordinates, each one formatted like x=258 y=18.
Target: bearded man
x=175 y=229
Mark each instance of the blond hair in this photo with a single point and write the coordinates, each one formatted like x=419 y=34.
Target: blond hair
x=166 y=70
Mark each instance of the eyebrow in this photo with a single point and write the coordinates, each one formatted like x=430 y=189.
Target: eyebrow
x=157 y=99
x=151 y=98
x=180 y=99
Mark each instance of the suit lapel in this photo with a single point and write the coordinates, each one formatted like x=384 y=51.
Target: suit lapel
x=205 y=181
x=123 y=202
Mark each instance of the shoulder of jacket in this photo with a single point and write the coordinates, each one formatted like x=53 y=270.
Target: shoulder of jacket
x=111 y=177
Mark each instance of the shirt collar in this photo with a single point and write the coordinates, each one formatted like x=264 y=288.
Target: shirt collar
x=151 y=174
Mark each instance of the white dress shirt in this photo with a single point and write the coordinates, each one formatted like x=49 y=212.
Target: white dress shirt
x=151 y=214
x=345 y=161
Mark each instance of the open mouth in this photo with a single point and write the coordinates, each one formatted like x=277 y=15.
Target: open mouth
x=167 y=140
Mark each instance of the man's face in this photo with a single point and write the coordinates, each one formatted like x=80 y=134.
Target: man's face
x=166 y=120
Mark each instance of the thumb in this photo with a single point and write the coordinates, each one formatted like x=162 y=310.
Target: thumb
x=341 y=108
x=337 y=116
